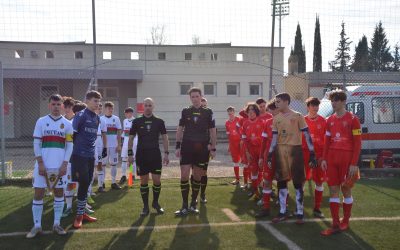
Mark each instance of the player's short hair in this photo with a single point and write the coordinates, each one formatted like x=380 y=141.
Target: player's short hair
x=55 y=97
x=68 y=101
x=78 y=107
x=193 y=90
x=271 y=104
x=128 y=110
x=109 y=104
x=260 y=100
x=283 y=96
x=230 y=108
x=203 y=99
x=254 y=106
x=337 y=95
x=93 y=94
x=312 y=101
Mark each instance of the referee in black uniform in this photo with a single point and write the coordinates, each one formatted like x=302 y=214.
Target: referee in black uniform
x=148 y=156
x=196 y=126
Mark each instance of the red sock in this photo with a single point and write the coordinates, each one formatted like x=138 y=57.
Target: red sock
x=317 y=199
x=260 y=178
x=266 y=199
x=335 y=213
x=236 y=169
x=245 y=175
x=347 y=212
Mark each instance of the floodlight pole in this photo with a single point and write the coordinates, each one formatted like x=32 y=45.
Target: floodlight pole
x=94 y=75
x=271 y=63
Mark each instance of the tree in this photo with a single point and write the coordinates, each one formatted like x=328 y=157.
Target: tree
x=360 y=61
x=317 y=57
x=158 y=35
x=342 y=57
x=299 y=50
x=396 y=59
x=379 y=56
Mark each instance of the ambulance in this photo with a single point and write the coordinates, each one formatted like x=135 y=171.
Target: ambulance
x=378 y=108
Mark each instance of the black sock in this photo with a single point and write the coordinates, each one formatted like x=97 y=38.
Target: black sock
x=203 y=181
x=144 y=191
x=195 y=191
x=156 y=193
x=185 y=193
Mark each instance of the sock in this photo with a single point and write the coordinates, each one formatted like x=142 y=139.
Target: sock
x=203 y=185
x=299 y=200
x=259 y=178
x=319 y=190
x=282 y=199
x=245 y=175
x=185 y=193
x=134 y=170
x=90 y=186
x=334 y=204
x=80 y=208
x=195 y=190
x=144 y=191
x=100 y=178
x=254 y=183
x=69 y=195
x=58 y=207
x=156 y=193
x=113 y=173
x=266 y=197
x=347 y=205
x=37 y=211
x=236 y=170
x=104 y=174
x=124 y=166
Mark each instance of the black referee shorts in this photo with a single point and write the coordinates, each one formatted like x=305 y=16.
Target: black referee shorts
x=148 y=161
x=195 y=153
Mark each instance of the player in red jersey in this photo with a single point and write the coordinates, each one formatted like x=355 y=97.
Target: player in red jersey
x=316 y=125
x=341 y=152
x=268 y=173
x=233 y=134
x=243 y=158
x=251 y=135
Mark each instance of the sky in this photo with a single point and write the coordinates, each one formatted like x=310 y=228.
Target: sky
x=243 y=23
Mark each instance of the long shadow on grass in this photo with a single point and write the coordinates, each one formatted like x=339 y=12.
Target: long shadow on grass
x=195 y=237
x=376 y=185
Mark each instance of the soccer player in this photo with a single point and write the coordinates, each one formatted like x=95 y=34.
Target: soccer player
x=243 y=157
x=68 y=105
x=262 y=105
x=288 y=127
x=251 y=135
x=341 y=152
x=148 y=129
x=124 y=154
x=52 y=146
x=196 y=127
x=234 y=141
x=101 y=151
x=113 y=125
x=85 y=125
x=268 y=170
x=316 y=125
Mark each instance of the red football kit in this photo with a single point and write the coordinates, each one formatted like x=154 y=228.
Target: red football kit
x=234 y=136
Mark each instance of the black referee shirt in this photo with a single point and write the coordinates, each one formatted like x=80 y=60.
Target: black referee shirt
x=196 y=123
x=148 y=130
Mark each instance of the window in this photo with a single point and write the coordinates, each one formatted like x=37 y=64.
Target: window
x=357 y=108
x=162 y=56
x=106 y=55
x=184 y=87
x=188 y=56
x=239 y=57
x=78 y=54
x=19 y=53
x=49 y=54
x=202 y=56
x=214 y=56
x=232 y=89
x=134 y=55
x=255 y=89
x=386 y=110
x=210 y=89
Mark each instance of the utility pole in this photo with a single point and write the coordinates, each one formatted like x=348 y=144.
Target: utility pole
x=271 y=56
x=94 y=75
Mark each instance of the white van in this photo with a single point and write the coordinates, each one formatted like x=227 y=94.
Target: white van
x=378 y=108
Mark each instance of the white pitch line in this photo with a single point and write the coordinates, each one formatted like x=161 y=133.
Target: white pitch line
x=231 y=215
x=222 y=224
x=279 y=236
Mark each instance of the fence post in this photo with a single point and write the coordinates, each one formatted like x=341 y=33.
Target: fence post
x=2 y=128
